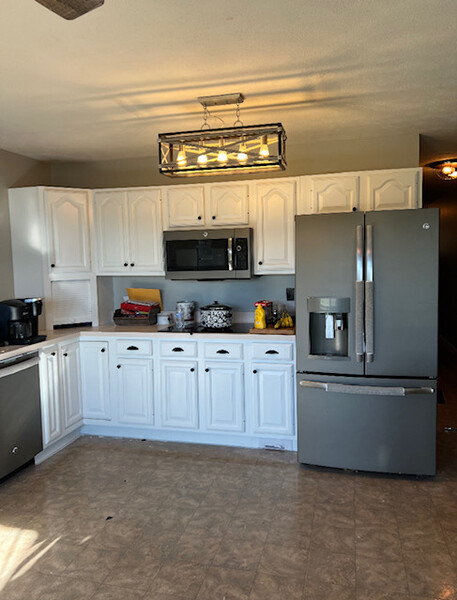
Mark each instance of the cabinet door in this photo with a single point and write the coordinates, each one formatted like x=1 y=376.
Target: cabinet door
x=51 y=412
x=224 y=395
x=184 y=206
x=134 y=383
x=179 y=394
x=70 y=384
x=228 y=204
x=273 y=398
x=275 y=211
x=68 y=230
x=95 y=380
x=333 y=193
x=111 y=231
x=389 y=190
x=145 y=222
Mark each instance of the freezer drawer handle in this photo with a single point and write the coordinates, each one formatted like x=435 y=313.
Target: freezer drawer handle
x=367 y=390
x=369 y=296
x=359 y=284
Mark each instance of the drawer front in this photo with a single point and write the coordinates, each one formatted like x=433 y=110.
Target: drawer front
x=178 y=349
x=134 y=347
x=223 y=350
x=266 y=351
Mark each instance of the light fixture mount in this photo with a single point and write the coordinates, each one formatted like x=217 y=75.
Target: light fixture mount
x=207 y=151
x=445 y=169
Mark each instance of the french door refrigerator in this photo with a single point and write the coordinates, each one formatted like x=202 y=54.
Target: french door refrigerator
x=367 y=316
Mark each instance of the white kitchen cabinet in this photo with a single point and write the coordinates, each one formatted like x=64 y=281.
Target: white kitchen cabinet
x=391 y=189
x=51 y=408
x=274 y=225
x=227 y=204
x=128 y=228
x=134 y=385
x=184 y=206
x=329 y=194
x=179 y=394
x=95 y=380
x=69 y=358
x=224 y=396
x=273 y=398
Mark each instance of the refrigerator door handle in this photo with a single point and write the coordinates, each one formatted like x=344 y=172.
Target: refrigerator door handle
x=359 y=295
x=366 y=390
x=369 y=297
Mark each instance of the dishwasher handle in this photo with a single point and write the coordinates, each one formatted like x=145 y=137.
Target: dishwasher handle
x=16 y=366
x=367 y=390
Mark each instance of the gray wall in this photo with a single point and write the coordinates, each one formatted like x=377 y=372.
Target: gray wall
x=326 y=156
x=15 y=171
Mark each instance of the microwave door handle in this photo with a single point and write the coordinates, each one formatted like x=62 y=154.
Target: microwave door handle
x=230 y=253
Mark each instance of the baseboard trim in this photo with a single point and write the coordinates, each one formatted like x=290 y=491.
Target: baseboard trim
x=58 y=446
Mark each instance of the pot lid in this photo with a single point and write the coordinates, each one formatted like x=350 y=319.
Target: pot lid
x=216 y=306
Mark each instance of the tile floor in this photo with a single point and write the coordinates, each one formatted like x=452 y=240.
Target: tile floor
x=113 y=519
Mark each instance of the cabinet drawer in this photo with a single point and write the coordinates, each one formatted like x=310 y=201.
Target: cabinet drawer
x=272 y=351
x=178 y=349
x=224 y=350
x=134 y=347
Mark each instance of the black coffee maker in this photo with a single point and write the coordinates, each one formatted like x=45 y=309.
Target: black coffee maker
x=19 y=321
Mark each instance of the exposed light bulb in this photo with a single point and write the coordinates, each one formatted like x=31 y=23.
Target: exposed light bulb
x=181 y=158
x=202 y=158
x=222 y=155
x=242 y=156
x=447 y=170
x=264 y=151
x=453 y=175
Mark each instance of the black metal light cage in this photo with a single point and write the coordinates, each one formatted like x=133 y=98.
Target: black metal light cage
x=211 y=141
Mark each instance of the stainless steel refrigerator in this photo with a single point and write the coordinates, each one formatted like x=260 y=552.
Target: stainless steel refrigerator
x=367 y=318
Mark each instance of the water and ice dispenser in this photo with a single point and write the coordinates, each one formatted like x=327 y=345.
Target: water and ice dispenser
x=328 y=326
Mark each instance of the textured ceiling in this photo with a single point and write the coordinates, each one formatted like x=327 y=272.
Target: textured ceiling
x=103 y=86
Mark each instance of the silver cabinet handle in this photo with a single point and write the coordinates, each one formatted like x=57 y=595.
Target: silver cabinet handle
x=230 y=254
x=359 y=294
x=369 y=296
x=366 y=390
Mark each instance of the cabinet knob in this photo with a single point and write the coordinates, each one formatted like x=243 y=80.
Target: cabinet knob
x=192 y=370
x=260 y=262
x=53 y=353
x=103 y=350
x=65 y=353
x=118 y=366
x=132 y=264
x=354 y=208
x=126 y=264
x=14 y=450
x=199 y=217
x=213 y=217
x=52 y=265
x=254 y=371
x=206 y=370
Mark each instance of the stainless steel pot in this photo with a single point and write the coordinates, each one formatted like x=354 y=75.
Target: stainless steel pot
x=216 y=316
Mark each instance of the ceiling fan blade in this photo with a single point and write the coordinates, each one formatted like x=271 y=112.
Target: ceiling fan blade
x=70 y=9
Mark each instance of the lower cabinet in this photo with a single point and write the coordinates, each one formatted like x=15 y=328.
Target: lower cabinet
x=224 y=396
x=95 y=380
x=179 y=395
x=273 y=398
x=51 y=407
x=70 y=384
x=134 y=385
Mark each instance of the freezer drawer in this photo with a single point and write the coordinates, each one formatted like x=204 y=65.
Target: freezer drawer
x=382 y=425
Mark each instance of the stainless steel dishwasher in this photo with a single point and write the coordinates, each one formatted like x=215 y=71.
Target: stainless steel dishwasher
x=20 y=413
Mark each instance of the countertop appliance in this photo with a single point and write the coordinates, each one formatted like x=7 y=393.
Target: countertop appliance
x=216 y=316
x=208 y=254
x=20 y=413
x=367 y=315
x=19 y=321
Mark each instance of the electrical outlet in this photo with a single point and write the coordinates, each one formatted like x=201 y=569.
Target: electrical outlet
x=290 y=294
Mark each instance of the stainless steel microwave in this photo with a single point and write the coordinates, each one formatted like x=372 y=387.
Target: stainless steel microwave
x=208 y=254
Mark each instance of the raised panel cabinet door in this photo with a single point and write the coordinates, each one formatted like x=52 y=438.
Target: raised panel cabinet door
x=185 y=206
x=334 y=193
x=111 y=232
x=95 y=380
x=275 y=211
x=51 y=408
x=70 y=384
x=134 y=379
x=178 y=383
x=145 y=222
x=224 y=393
x=228 y=205
x=68 y=230
x=273 y=398
x=396 y=189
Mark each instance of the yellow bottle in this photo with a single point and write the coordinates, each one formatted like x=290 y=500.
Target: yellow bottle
x=260 y=320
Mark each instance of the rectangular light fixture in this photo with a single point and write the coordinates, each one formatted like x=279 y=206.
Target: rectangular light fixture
x=226 y=150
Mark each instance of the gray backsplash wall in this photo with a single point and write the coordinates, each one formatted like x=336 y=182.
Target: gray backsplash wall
x=240 y=295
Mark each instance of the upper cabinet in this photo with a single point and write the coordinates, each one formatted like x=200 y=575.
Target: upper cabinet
x=329 y=193
x=389 y=190
x=210 y=205
x=128 y=231
x=68 y=230
x=274 y=226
